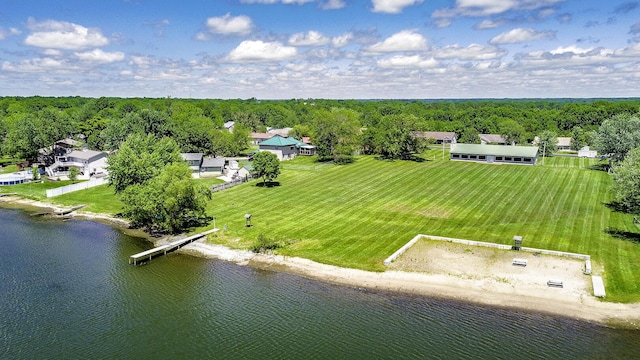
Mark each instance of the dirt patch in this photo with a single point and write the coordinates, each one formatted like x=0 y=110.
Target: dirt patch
x=495 y=266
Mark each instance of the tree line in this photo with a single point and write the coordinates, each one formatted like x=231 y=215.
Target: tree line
x=149 y=134
x=31 y=123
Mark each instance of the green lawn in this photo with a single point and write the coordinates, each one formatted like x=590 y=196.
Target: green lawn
x=357 y=215
x=36 y=190
x=100 y=199
x=9 y=169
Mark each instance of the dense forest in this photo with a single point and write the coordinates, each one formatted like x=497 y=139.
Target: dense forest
x=30 y=123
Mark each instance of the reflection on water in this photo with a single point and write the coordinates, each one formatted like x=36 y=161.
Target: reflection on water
x=67 y=291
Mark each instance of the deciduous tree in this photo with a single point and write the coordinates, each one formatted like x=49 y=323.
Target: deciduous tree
x=266 y=165
x=548 y=143
x=139 y=159
x=169 y=202
x=618 y=135
x=335 y=134
x=626 y=187
x=391 y=137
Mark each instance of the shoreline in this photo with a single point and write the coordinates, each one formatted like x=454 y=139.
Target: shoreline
x=477 y=291
x=482 y=291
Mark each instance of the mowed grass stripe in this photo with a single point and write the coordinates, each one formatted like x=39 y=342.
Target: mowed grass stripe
x=357 y=215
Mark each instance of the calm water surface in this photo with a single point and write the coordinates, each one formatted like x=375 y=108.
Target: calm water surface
x=67 y=292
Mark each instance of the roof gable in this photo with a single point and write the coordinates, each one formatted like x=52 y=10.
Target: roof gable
x=492 y=138
x=86 y=154
x=280 y=141
x=192 y=156
x=213 y=162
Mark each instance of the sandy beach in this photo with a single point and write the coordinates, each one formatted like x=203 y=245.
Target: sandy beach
x=445 y=275
x=573 y=301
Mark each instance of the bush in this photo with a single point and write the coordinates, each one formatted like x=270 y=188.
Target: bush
x=266 y=244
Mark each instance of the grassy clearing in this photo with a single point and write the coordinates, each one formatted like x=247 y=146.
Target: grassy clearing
x=357 y=215
x=35 y=190
x=9 y=169
x=100 y=199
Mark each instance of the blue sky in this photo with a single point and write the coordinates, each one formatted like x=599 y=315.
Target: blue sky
x=350 y=49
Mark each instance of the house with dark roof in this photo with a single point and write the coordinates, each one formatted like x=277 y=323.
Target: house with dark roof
x=194 y=160
x=212 y=166
x=527 y=155
x=286 y=148
x=440 y=137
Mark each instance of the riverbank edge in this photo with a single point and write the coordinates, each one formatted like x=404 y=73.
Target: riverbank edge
x=626 y=316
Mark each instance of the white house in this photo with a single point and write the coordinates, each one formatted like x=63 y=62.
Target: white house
x=89 y=162
x=586 y=152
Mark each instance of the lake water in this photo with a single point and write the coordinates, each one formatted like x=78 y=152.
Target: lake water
x=67 y=291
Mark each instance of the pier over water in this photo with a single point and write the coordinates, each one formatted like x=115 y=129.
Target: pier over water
x=147 y=255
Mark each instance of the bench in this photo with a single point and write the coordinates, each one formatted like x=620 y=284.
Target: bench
x=598 y=286
x=587 y=267
x=519 y=262
x=555 y=283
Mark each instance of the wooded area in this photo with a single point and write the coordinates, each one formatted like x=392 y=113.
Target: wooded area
x=27 y=124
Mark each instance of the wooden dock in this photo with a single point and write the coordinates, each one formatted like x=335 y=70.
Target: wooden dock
x=146 y=256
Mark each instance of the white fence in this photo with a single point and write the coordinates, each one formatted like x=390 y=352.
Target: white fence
x=75 y=187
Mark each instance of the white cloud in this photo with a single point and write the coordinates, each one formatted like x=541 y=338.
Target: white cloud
x=392 y=6
x=570 y=56
x=521 y=35
x=6 y=33
x=342 y=40
x=487 y=24
x=143 y=62
x=406 y=40
x=230 y=25
x=293 y=2
x=159 y=26
x=52 y=52
x=63 y=35
x=257 y=50
x=472 y=52
x=414 y=61
x=99 y=56
x=36 y=65
x=482 y=8
x=332 y=4
x=311 y=38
